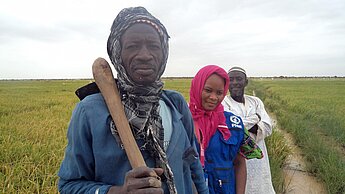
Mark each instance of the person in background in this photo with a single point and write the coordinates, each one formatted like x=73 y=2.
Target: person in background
x=220 y=134
x=255 y=118
x=95 y=160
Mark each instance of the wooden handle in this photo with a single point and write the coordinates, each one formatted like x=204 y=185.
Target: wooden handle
x=105 y=81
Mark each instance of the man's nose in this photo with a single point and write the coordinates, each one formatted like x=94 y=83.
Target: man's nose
x=235 y=82
x=144 y=53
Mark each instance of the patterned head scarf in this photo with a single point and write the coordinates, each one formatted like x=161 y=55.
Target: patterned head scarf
x=125 y=19
x=141 y=103
x=207 y=122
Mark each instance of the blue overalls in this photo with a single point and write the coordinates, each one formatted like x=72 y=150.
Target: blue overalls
x=219 y=156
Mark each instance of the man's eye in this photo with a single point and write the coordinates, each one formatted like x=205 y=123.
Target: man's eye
x=155 y=46
x=132 y=46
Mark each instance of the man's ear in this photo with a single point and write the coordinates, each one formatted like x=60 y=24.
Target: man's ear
x=246 y=82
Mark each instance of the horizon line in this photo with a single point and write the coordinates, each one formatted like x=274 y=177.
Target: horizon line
x=168 y=77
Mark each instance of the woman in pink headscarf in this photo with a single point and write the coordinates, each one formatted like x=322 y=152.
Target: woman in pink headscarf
x=220 y=134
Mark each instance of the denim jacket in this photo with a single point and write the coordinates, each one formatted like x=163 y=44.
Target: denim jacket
x=94 y=160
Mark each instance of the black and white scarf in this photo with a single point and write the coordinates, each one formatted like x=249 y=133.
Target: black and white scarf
x=141 y=103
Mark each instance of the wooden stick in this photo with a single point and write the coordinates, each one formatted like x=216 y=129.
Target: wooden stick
x=105 y=81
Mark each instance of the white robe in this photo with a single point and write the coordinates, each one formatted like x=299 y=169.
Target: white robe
x=259 y=179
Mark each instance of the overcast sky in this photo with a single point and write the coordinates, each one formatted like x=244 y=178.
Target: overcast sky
x=61 y=38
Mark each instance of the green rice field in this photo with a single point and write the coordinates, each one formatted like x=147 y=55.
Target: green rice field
x=34 y=116
x=312 y=110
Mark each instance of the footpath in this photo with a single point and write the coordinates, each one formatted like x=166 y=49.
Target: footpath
x=297 y=179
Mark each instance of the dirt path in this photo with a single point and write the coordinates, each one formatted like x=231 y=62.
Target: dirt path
x=297 y=179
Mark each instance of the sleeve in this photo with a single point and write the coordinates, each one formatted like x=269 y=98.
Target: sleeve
x=250 y=121
x=195 y=167
x=198 y=175
x=226 y=104
x=76 y=174
x=265 y=124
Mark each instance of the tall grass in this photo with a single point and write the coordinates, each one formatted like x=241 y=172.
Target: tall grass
x=277 y=147
x=34 y=116
x=33 y=120
x=180 y=85
x=278 y=151
x=312 y=110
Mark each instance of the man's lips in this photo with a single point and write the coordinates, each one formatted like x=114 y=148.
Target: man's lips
x=144 y=71
x=235 y=89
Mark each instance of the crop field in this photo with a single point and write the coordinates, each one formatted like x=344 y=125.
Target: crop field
x=34 y=116
x=33 y=120
x=312 y=110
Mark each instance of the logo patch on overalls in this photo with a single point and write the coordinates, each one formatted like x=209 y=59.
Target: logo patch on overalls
x=235 y=122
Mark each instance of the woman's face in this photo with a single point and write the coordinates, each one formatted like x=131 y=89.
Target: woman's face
x=213 y=92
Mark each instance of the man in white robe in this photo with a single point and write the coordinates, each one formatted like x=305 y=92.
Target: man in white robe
x=255 y=118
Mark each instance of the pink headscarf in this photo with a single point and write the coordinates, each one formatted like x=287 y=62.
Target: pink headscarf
x=207 y=121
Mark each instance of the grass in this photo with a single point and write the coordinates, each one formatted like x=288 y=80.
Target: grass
x=312 y=110
x=278 y=151
x=33 y=120
x=180 y=85
x=277 y=147
x=34 y=116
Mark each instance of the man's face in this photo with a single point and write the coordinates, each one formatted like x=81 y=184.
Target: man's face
x=141 y=53
x=238 y=81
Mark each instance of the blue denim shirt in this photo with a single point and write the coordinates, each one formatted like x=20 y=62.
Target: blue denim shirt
x=94 y=159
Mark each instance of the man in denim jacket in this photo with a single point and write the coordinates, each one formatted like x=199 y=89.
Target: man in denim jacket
x=95 y=161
